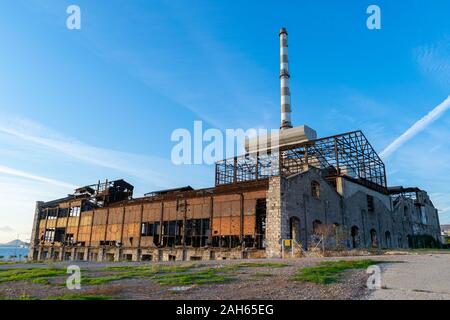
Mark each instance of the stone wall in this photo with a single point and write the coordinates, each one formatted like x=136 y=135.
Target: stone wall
x=274 y=218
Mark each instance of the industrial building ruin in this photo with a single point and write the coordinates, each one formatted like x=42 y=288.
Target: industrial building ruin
x=310 y=192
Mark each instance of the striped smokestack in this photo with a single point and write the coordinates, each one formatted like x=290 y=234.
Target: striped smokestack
x=284 y=79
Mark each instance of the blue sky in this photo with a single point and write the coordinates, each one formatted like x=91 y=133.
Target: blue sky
x=101 y=102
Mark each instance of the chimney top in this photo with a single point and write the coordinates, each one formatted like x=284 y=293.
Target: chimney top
x=283 y=30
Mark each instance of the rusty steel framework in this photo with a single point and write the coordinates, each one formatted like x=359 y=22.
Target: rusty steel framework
x=349 y=154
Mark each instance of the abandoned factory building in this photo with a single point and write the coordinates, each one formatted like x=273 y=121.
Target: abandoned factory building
x=329 y=192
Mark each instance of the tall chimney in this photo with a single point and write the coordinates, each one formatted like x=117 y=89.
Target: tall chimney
x=284 y=79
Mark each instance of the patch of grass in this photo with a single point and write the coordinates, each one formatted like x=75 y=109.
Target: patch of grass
x=35 y=275
x=131 y=272
x=80 y=297
x=41 y=281
x=92 y=281
x=200 y=277
x=328 y=272
x=262 y=265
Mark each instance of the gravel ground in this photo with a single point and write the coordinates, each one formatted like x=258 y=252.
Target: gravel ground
x=419 y=276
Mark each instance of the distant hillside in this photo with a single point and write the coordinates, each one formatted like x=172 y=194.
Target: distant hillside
x=14 y=243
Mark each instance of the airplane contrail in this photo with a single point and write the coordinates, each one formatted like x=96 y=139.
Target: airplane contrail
x=23 y=174
x=416 y=128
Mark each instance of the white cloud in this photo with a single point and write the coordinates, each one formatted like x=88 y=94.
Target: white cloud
x=416 y=128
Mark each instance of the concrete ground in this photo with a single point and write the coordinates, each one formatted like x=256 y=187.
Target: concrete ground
x=418 y=277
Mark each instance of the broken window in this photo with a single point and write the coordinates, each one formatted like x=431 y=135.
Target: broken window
x=146 y=257
x=75 y=211
x=355 y=237
x=249 y=241
x=317 y=230
x=69 y=238
x=197 y=231
x=226 y=241
x=373 y=238
x=52 y=213
x=315 y=189
x=194 y=258
x=60 y=234
x=63 y=212
x=171 y=232
x=108 y=243
x=370 y=204
x=49 y=235
x=147 y=229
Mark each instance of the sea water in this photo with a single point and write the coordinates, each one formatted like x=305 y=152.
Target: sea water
x=13 y=253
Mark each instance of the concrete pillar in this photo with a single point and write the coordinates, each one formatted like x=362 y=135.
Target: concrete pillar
x=136 y=255
x=39 y=256
x=34 y=239
x=117 y=254
x=86 y=254
x=101 y=253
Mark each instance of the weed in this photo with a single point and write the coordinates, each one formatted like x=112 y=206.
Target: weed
x=330 y=271
x=36 y=275
x=190 y=278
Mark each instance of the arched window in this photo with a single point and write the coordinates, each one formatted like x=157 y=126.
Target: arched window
x=317 y=227
x=387 y=238
x=355 y=236
x=294 y=224
x=315 y=189
x=373 y=238
x=410 y=241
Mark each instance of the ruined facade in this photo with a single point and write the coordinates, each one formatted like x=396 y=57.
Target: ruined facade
x=306 y=193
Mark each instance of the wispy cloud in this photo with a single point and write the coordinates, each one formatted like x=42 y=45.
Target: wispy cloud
x=27 y=175
x=416 y=128
x=434 y=60
x=156 y=171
